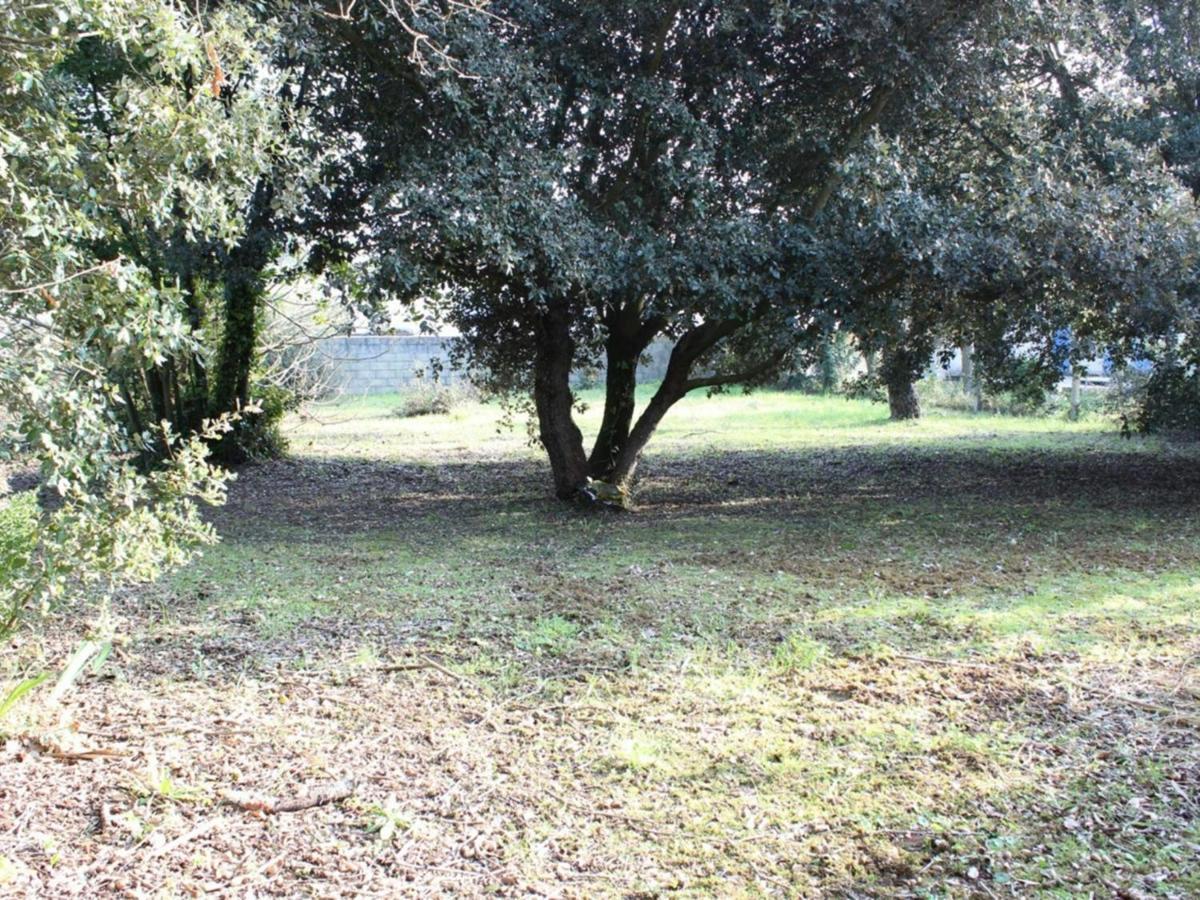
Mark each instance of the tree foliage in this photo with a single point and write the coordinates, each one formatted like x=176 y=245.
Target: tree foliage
x=742 y=181
x=613 y=174
x=78 y=317
x=566 y=183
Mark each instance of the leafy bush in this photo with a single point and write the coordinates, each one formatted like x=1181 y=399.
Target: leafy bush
x=432 y=398
x=835 y=369
x=1025 y=390
x=1126 y=394
x=18 y=537
x=941 y=393
x=865 y=387
x=259 y=435
x=70 y=346
x=1169 y=401
x=588 y=377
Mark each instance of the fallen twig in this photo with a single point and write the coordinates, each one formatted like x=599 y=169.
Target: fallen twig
x=203 y=828
x=934 y=661
x=424 y=662
x=264 y=803
x=47 y=745
x=1172 y=715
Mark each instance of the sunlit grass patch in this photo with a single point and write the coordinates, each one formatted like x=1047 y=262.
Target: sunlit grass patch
x=550 y=635
x=798 y=652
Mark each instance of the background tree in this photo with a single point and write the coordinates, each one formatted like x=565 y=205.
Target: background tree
x=1023 y=215
x=1158 y=43
x=254 y=57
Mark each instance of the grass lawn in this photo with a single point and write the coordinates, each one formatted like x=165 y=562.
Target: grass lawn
x=828 y=655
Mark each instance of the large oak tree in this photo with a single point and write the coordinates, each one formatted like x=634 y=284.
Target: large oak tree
x=742 y=180
x=612 y=174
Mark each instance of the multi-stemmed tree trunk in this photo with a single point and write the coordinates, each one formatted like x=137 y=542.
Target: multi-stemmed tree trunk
x=676 y=384
x=620 y=403
x=622 y=438
x=620 y=441
x=628 y=337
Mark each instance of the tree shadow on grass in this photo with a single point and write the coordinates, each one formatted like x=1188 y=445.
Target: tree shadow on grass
x=901 y=520
x=365 y=494
x=942 y=549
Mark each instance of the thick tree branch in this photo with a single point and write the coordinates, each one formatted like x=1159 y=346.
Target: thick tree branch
x=745 y=375
x=880 y=98
x=641 y=155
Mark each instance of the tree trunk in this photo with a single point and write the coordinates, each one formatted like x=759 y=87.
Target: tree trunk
x=554 y=358
x=674 y=388
x=157 y=391
x=243 y=291
x=902 y=398
x=197 y=405
x=192 y=397
x=1076 y=391
x=626 y=464
x=236 y=356
x=970 y=383
x=620 y=387
x=828 y=366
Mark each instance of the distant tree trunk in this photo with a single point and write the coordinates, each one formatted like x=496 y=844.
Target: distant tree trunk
x=244 y=285
x=828 y=365
x=156 y=389
x=192 y=400
x=195 y=405
x=1076 y=390
x=899 y=368
x=903 y=401
x=970 y=383
x=872 y=364
x=243 y=288
x=552 y=397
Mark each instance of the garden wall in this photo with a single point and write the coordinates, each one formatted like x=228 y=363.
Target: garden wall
x=384 y=364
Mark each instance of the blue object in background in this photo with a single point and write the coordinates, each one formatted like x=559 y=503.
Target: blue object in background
x=1062 y=345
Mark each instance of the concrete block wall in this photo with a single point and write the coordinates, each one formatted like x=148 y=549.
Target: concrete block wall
x=385 y=364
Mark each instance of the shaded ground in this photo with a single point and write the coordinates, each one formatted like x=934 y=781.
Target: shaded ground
x=853 y=660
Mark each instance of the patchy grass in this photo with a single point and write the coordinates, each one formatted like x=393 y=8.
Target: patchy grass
x=828 y=655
